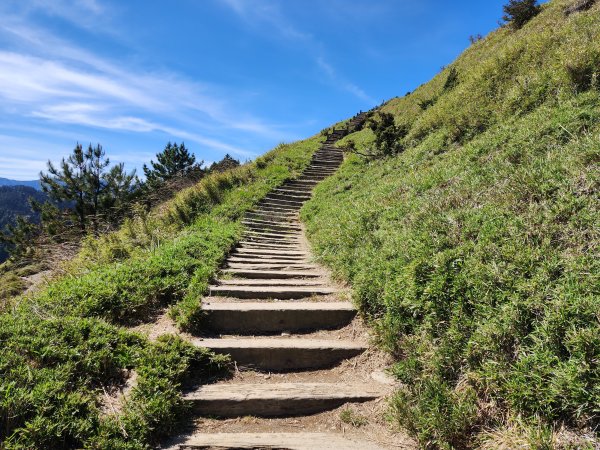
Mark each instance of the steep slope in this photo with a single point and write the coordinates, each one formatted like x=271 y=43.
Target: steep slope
x=474 y=251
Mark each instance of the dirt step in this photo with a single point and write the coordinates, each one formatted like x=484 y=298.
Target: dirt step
x=271 y=274
x=278 y=292
x=282 y=354
x=274 y=441
x=276 y=400
x=276 y=317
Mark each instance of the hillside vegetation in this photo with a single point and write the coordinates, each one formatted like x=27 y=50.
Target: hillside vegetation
x=474 y=251
x=66 y=346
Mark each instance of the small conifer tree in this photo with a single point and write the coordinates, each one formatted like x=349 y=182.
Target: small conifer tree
x=228 y=162
x=174 y=160
x=519 y=12
x=87 y=187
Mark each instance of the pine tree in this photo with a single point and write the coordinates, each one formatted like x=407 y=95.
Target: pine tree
x=87 y=188
x=228 y=162
x=519 y=12
x=174 y=160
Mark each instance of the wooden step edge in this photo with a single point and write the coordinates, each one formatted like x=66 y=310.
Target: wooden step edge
x=277 y=399
x=287 y=441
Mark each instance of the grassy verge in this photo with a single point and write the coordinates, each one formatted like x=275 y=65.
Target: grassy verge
x=475 y=253
x=61 y=348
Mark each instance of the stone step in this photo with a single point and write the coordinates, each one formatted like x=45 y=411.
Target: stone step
x=276 y=317
x=332 y=160
x=291 y=225
x=277 y=399
x=270 y=226
x=271 y=282
x=248 y=236
x=274 y=212
x=285 y=211
x=274 y=195
x=266 y=205
x=262 y=259
x=266 y=292
x=281 y=354
x=297 y=267
x=266 y=257
x=316 y=179
x=274 y=441
x=266 y=245
x=251 y=251
x=282 y=201
x=278 y=204
x=298 y=186
x=290 y=236
x=271 y=217
x=304 y=184
x=271 y=274
x=292 y=192
x=311 y=172
x=270 y=239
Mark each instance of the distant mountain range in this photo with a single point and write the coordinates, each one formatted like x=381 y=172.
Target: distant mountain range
x=33 y=183
x=14 y=201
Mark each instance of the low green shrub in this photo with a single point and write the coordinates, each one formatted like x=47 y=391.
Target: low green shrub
x=474 y=253
x=63 y=345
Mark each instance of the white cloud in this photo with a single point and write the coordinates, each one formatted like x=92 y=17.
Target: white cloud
x=346 y=85
x=257 y=13
x=51 y=79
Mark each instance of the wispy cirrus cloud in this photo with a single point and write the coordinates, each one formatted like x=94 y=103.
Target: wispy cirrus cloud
x=344 y=84
x=258 y=13
x=48 y=78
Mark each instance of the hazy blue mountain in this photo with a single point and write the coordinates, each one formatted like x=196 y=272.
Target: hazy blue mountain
x=31 y=183
x=14 y=201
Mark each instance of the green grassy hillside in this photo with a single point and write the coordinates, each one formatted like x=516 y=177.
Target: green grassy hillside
x=474 y=252
x=62 y=348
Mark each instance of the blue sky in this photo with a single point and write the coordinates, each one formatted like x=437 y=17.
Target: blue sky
x=225 y=76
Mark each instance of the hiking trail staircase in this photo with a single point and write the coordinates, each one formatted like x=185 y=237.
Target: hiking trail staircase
x=269 y=291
